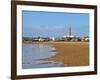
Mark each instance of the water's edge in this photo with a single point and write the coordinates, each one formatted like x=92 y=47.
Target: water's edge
x=36 y=56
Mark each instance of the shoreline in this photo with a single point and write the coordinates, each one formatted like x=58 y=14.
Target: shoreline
x=70 y=53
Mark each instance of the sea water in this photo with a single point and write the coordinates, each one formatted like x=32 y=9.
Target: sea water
x=36 y=56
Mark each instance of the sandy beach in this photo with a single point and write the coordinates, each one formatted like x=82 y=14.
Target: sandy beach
x=72 y=53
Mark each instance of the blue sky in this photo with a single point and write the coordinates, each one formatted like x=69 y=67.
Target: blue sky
x=54 y=24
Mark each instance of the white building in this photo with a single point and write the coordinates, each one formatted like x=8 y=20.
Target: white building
x=52 y=38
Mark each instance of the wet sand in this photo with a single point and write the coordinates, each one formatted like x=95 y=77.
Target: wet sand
x=72 y=53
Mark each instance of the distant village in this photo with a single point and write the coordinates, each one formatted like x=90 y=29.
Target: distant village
x=69 y=37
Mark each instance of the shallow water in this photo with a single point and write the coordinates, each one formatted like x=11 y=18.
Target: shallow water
x=36 y=55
